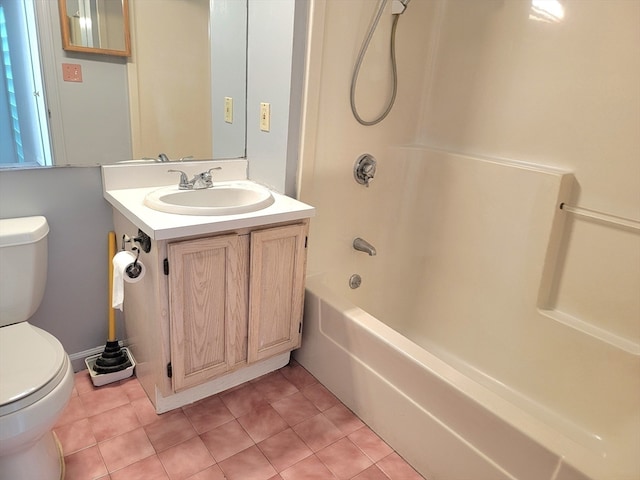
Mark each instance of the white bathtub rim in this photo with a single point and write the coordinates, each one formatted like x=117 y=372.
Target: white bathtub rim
x=430 y=415
x=593 y=463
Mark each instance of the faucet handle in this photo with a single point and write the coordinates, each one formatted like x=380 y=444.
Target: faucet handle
x=207 y=176
x=204 y=179
x=365 y=169
x=184 y=180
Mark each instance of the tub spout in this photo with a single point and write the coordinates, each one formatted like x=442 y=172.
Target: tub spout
x=364 y=246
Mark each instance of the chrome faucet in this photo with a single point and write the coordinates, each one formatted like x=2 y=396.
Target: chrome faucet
x=200 y=181
x=364 y=246
x=163 y=158
x=184 y=180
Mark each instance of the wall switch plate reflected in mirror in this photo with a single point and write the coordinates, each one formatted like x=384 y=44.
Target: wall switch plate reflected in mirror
x=228 y=109
x=71 y=72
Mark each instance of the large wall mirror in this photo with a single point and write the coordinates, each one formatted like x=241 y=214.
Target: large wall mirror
x=168 y=96
x=95 y=26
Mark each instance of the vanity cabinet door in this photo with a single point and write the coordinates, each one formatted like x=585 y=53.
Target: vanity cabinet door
x=276 y=290
x=208 y=307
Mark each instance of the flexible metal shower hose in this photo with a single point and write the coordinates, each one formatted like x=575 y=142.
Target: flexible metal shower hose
x=356 y=70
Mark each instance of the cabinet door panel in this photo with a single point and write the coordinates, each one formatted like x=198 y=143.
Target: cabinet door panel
x=204 y=280
x=276 y=289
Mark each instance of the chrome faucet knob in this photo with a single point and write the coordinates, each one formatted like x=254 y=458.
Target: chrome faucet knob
x=207 y=178
x=204 y=179
x=184 y=180
x=201 y=181
x=365 y=169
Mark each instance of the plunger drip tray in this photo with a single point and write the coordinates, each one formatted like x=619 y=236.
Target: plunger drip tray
x=99 y=379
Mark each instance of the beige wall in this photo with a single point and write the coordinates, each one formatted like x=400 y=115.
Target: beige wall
x=332 y=138
x=170 y=79
x=483 y=78
x=564 y=94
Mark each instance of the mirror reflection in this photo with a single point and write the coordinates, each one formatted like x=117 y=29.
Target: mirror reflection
x=182 y=92
x=188 y=57
x=95 y=26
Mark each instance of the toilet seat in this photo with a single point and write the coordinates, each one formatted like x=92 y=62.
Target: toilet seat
x=32 y=363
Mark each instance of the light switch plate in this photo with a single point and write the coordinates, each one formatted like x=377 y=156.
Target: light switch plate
x=265 y=116
x=71 y=72
x=228 y=109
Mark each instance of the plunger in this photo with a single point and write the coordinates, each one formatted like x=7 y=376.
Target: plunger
x=113 y=359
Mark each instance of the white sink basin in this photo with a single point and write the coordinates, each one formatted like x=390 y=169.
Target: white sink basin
x=217 y=200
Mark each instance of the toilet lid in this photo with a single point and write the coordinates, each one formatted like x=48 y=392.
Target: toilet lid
x=30 y=361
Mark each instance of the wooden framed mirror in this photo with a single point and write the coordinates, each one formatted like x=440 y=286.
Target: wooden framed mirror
x=95 y=26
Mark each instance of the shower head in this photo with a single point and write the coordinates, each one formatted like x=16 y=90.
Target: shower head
x=399 y=6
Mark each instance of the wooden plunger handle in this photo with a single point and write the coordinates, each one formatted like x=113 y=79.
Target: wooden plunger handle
x=112 y=312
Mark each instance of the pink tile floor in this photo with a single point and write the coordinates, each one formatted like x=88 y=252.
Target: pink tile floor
x=282 y=426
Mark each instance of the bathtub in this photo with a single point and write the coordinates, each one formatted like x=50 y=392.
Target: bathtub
x=444 y=423
x=452 y=356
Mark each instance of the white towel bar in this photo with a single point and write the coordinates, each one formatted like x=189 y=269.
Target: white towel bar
x=601 y=216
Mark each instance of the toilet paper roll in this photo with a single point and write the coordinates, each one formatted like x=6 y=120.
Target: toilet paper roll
x=124 y=271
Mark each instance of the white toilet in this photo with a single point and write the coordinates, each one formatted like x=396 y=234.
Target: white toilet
x=36 y=378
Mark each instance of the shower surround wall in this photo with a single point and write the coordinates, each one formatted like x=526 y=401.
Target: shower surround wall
x=488 y=80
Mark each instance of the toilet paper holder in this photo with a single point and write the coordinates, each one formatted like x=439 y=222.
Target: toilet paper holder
x=134 y=269
x=143 y=239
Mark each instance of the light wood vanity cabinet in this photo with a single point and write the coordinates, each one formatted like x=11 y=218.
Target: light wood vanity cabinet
x=221 y=299
x=234 y=299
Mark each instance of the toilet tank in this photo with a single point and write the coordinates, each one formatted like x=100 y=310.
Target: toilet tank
x=23 y=267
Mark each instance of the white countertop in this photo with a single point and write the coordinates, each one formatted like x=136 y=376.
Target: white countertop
x=163 y=226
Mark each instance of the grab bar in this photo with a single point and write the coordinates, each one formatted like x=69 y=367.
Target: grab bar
x=601 y=216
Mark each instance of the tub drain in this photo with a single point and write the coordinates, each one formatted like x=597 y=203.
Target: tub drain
x=355 y=280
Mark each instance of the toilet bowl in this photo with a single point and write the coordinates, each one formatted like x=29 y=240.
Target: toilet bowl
x=36 y=378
